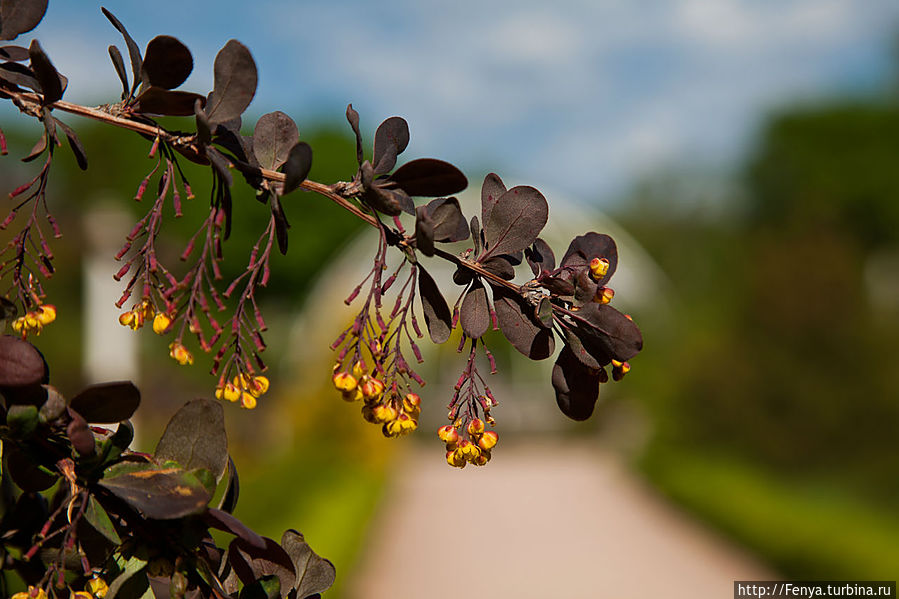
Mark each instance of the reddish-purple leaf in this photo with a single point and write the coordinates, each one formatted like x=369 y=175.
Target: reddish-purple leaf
x=475 y=227
x=162 y=493
x=14 y=53
x=592 y=245
x=133 y=49
x=491 y=190
x=437 y=312
x=515 y=220
x=75 y=145
x=21 y=363
x=517 y=322
x=607 y=334
x=45 y=73
x=424 y=231
x=429 y=177
x=449 y=222
x=235 y=83
x=576 y=386
x=167 y=62
x=80 y=434
x=391 y=139
x=281 y=224
x=251 y=563
x=156 y=100
x=297 y=166
x=500 y=266
x=24 y=472
x=314 y=574
x=353 y=118
x=274 y=136
x=388 y=201
x=119 y=64
x=20 y=16
x=19 y=74
x=224 y=521
x=195 y=437
x=540 y=257
x=474 y=315
x=107 y=402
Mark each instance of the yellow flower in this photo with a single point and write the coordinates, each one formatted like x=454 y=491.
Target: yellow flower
x=599 y=267
x=97 y=586
x=475 y=427
x=344 y=381
x=448 y=434
x=488 y=440
x=80 y=595
x=46 y=314
x=372 y=387
x=227 y=392
x=604 y=295
x=412 y=404
x=258 y=385
x=161 y=323
x=180 y=354
x=247 y=401
x=31 y=593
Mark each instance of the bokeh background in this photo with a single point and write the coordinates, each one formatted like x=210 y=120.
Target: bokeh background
x=744 y=153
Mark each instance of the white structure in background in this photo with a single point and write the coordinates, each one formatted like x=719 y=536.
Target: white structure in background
x=110 y=350
x=638 y=282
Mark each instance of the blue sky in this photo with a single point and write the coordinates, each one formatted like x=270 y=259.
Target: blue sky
x=582 y=96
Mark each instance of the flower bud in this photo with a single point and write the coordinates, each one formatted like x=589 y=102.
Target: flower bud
x=351 y=396
x=127 y=319
x=368 y=414
x=412 y=404
x=358 y=369
x=180 y=354
x=482 y=459
x=257 y=385
x=475 y=427
x=455 y=459
x=161 y=323
x=468 y=449
x=344 y=381
x=488 y=440
x=384 y=413
x=247 y=401
x=372 y=388
x=604 y=295
x=80 y=595
x=599 y=267
x=448 y=434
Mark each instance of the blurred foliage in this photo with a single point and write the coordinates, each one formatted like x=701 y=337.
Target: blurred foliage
x=783 y=353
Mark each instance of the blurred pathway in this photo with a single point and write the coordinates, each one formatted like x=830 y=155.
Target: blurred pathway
x=553 y=520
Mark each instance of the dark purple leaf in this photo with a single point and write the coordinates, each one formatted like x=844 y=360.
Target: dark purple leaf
x=19 y=74
x=38 y=148
x=474 y=315
x=232 y=491
x=353 y=118
x=133 y=49
x=391 y=139
x=475 y=227
x=24 y=472
x=576 y=386
x=581 y=353
x=540 y=257
x=314 y=574
x=462 y=276
x=167 y=62
x=516 y=321
x=195 y=437
x=251 y=563
x=273 y=138
x=491 y=191
x=500 y=266
x=163 y=493
x=281 y=224
x=119 y=64
x=449 y=222
x=204 y=129
x=45 y=73
x=605 y=331
x=585 y=287
x=429 y=177
x=21 y=363
x=389 y=201
x=75 y=145
x=437 y=313
x=424 y=231
x=515 y=220
x=235 y=83
x=156 y=100
x=80 y=434
x=592 y=245
x=297 y=166
x=14 y=53
x=20 y=16
x=224 y=521
x=107 y=402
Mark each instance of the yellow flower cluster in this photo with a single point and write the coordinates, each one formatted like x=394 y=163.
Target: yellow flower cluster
x=599 y=267
x=34 y=320
x=396 y=416
x=245 y=388
x=137 y=316
x=474 y=450
x=31 y=593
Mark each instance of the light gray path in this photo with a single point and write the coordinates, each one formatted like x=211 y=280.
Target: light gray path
x=552 y=520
